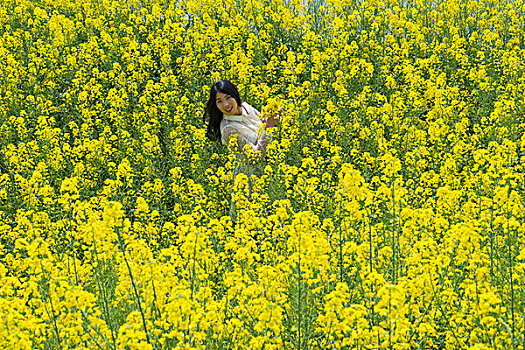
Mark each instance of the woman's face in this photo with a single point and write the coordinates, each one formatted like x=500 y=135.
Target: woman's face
x=227 y=104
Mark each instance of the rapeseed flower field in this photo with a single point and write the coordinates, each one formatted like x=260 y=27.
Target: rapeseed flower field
x=388 y=213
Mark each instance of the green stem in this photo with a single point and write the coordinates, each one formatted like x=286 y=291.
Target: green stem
x=135 y=290
x=299 y=313
x=511 y=262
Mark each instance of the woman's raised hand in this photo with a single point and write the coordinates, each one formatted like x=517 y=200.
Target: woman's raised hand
x=273 y=120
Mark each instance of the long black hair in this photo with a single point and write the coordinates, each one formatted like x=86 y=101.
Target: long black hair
x=214 y=114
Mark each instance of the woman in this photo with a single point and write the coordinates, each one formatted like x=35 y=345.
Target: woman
x=229 y=116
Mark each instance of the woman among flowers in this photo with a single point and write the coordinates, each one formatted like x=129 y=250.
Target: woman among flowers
x=237 y=124
x=229 y=116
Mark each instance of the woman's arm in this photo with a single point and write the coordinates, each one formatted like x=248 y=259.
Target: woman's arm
x=273 y=120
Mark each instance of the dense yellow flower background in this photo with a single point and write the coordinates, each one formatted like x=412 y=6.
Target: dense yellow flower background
x=390 y=211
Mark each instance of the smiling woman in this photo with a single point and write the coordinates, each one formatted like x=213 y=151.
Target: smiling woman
x=237 y=125
x=229 y=116
x=227 y=104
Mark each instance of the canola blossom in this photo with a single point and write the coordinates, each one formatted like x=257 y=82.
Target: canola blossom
x=389 y=212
